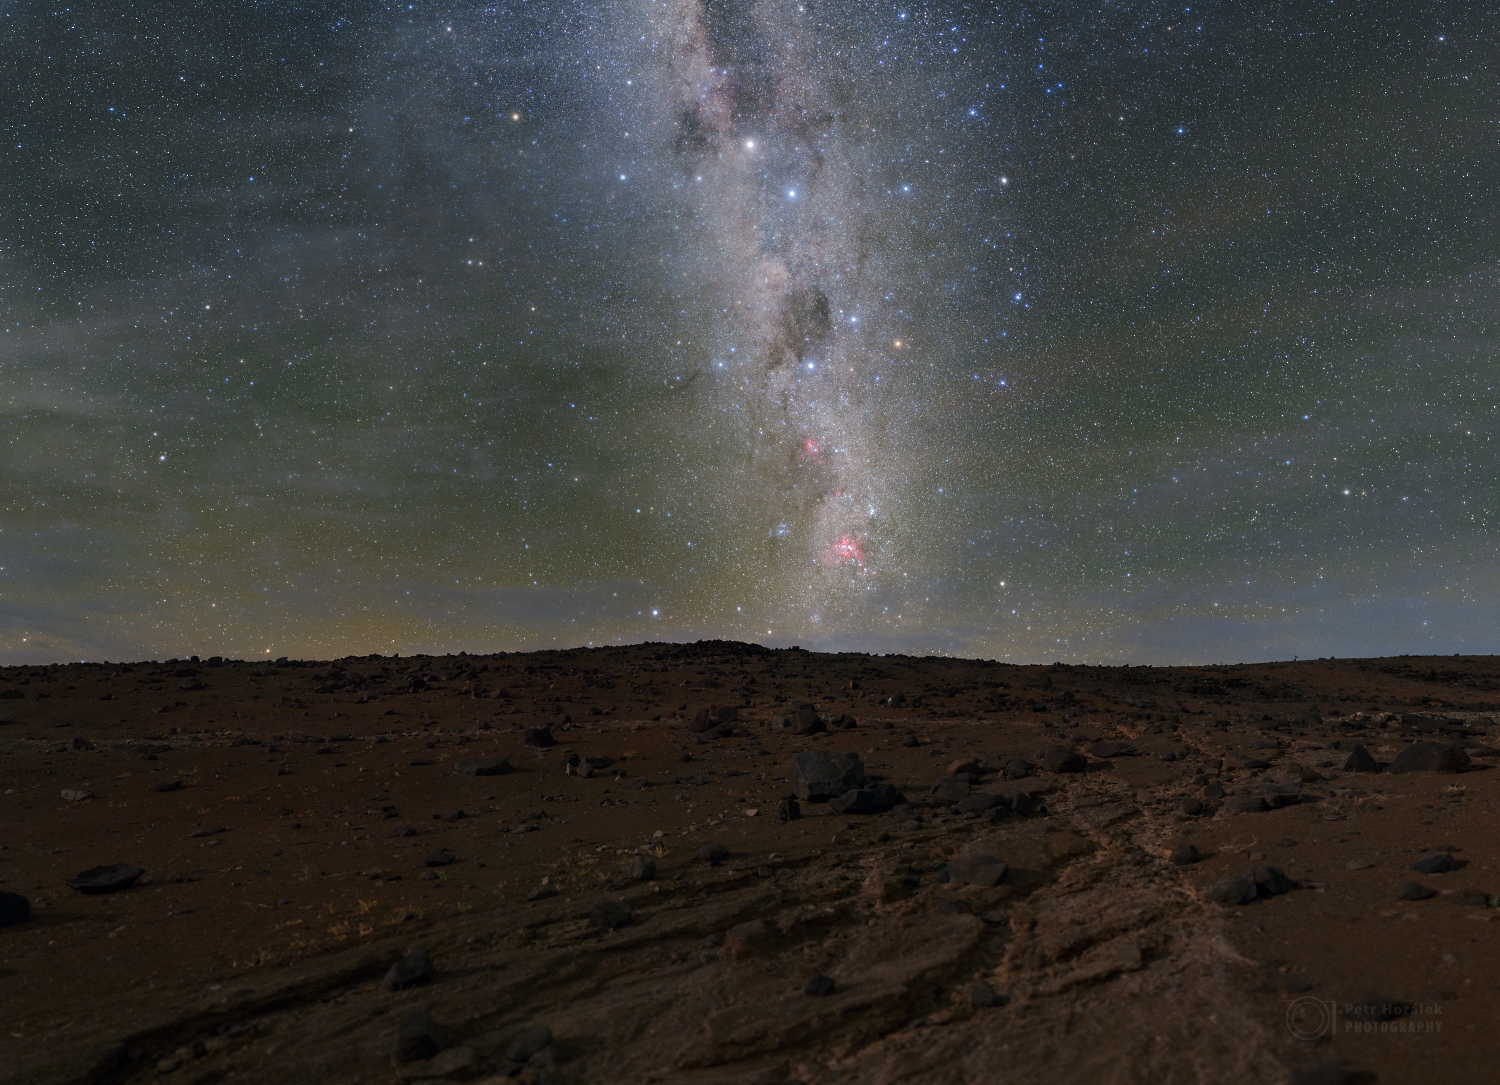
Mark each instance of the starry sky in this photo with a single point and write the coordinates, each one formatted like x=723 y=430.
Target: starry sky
x=1106 y=332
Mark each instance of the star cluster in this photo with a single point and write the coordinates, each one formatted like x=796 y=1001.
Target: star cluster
x=1126 y=332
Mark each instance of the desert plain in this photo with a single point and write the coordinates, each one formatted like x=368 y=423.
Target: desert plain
x=592 y=865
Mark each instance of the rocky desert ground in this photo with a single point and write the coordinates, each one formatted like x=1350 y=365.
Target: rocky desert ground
x=717 y=862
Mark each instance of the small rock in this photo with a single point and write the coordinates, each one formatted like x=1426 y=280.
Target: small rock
x=968 y=766
x=528 y=1042
x=1016 y=768
x=14 y=909
x=819 y=775
x=418 y=1037
x=983 y=996
x=74 y=795
x=1358 y=864
x=1360 y=760
x=977 y=869
x=642 y=868
x=1415 y=891
x=788 y=810
x=440 y=858
x=1212 y=792
x=106 y=879
x=713 y=853
x=170 y=785
x=978 y=803
x=1232 y=889
x=455 y=1064
x=1184 y=855
x=1020 y=802
x=747 y=939
x=1430 y=757
x=867 y=800
x=1107 y=750
x=1244 y=804
x=539 y=736
x=541 y=892
x=808 y=722
x=1437 y=863
x=410 y=971
x=1191 y=807
x=609 y=914
x=1061 y=758
x=483 y=766
x=819 y=986
x=1471 y=898
x=1167 y=755
x=401 y=828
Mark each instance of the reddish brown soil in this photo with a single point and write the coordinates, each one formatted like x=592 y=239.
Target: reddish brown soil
x=264 y=942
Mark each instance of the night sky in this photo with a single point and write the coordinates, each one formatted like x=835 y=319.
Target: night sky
x=1112 y=332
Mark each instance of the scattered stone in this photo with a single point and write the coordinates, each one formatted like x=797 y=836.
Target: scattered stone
x=978 y=869
x=170 y=785
x=1254 y=763
x=455 y=1064
x=788 y=810
x=950 y=791
x=844 y=722
x=106 y=879
x=401 y=828
x=643 y=868
x=747 y=939
x=1437 y=863
x=410 y=971
x=1020 y=802
x=1212 y=792
x=199 y=834
x=1191 y=807
x=979 y=803
x=1061 y=758
x=1167 y=755
x=1244 y=804
x=1360 y=760
x=483 y=766
x=1250 y=885
x=1184 y=855
x=819 y=775
x=14 y=909
x=541 y=892
x=982 y=996
x=1415 y=891
x=440 y=858
x=867 y=800
x=819 y=986
x=807 y=721
x=968 y=767
x=1358 y=864
x=418 y=1037
x=713 y=853
x=539 y=736
x=609 y=914
x=1471 y=898
x=1431 y=757
x=74 y=795
x=528 y=1042
x=1107 y=750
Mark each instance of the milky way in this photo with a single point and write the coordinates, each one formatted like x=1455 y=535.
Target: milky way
x=1135 y=332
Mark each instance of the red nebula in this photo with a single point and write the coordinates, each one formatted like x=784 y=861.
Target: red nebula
x=811 y=450
x=846 y=549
